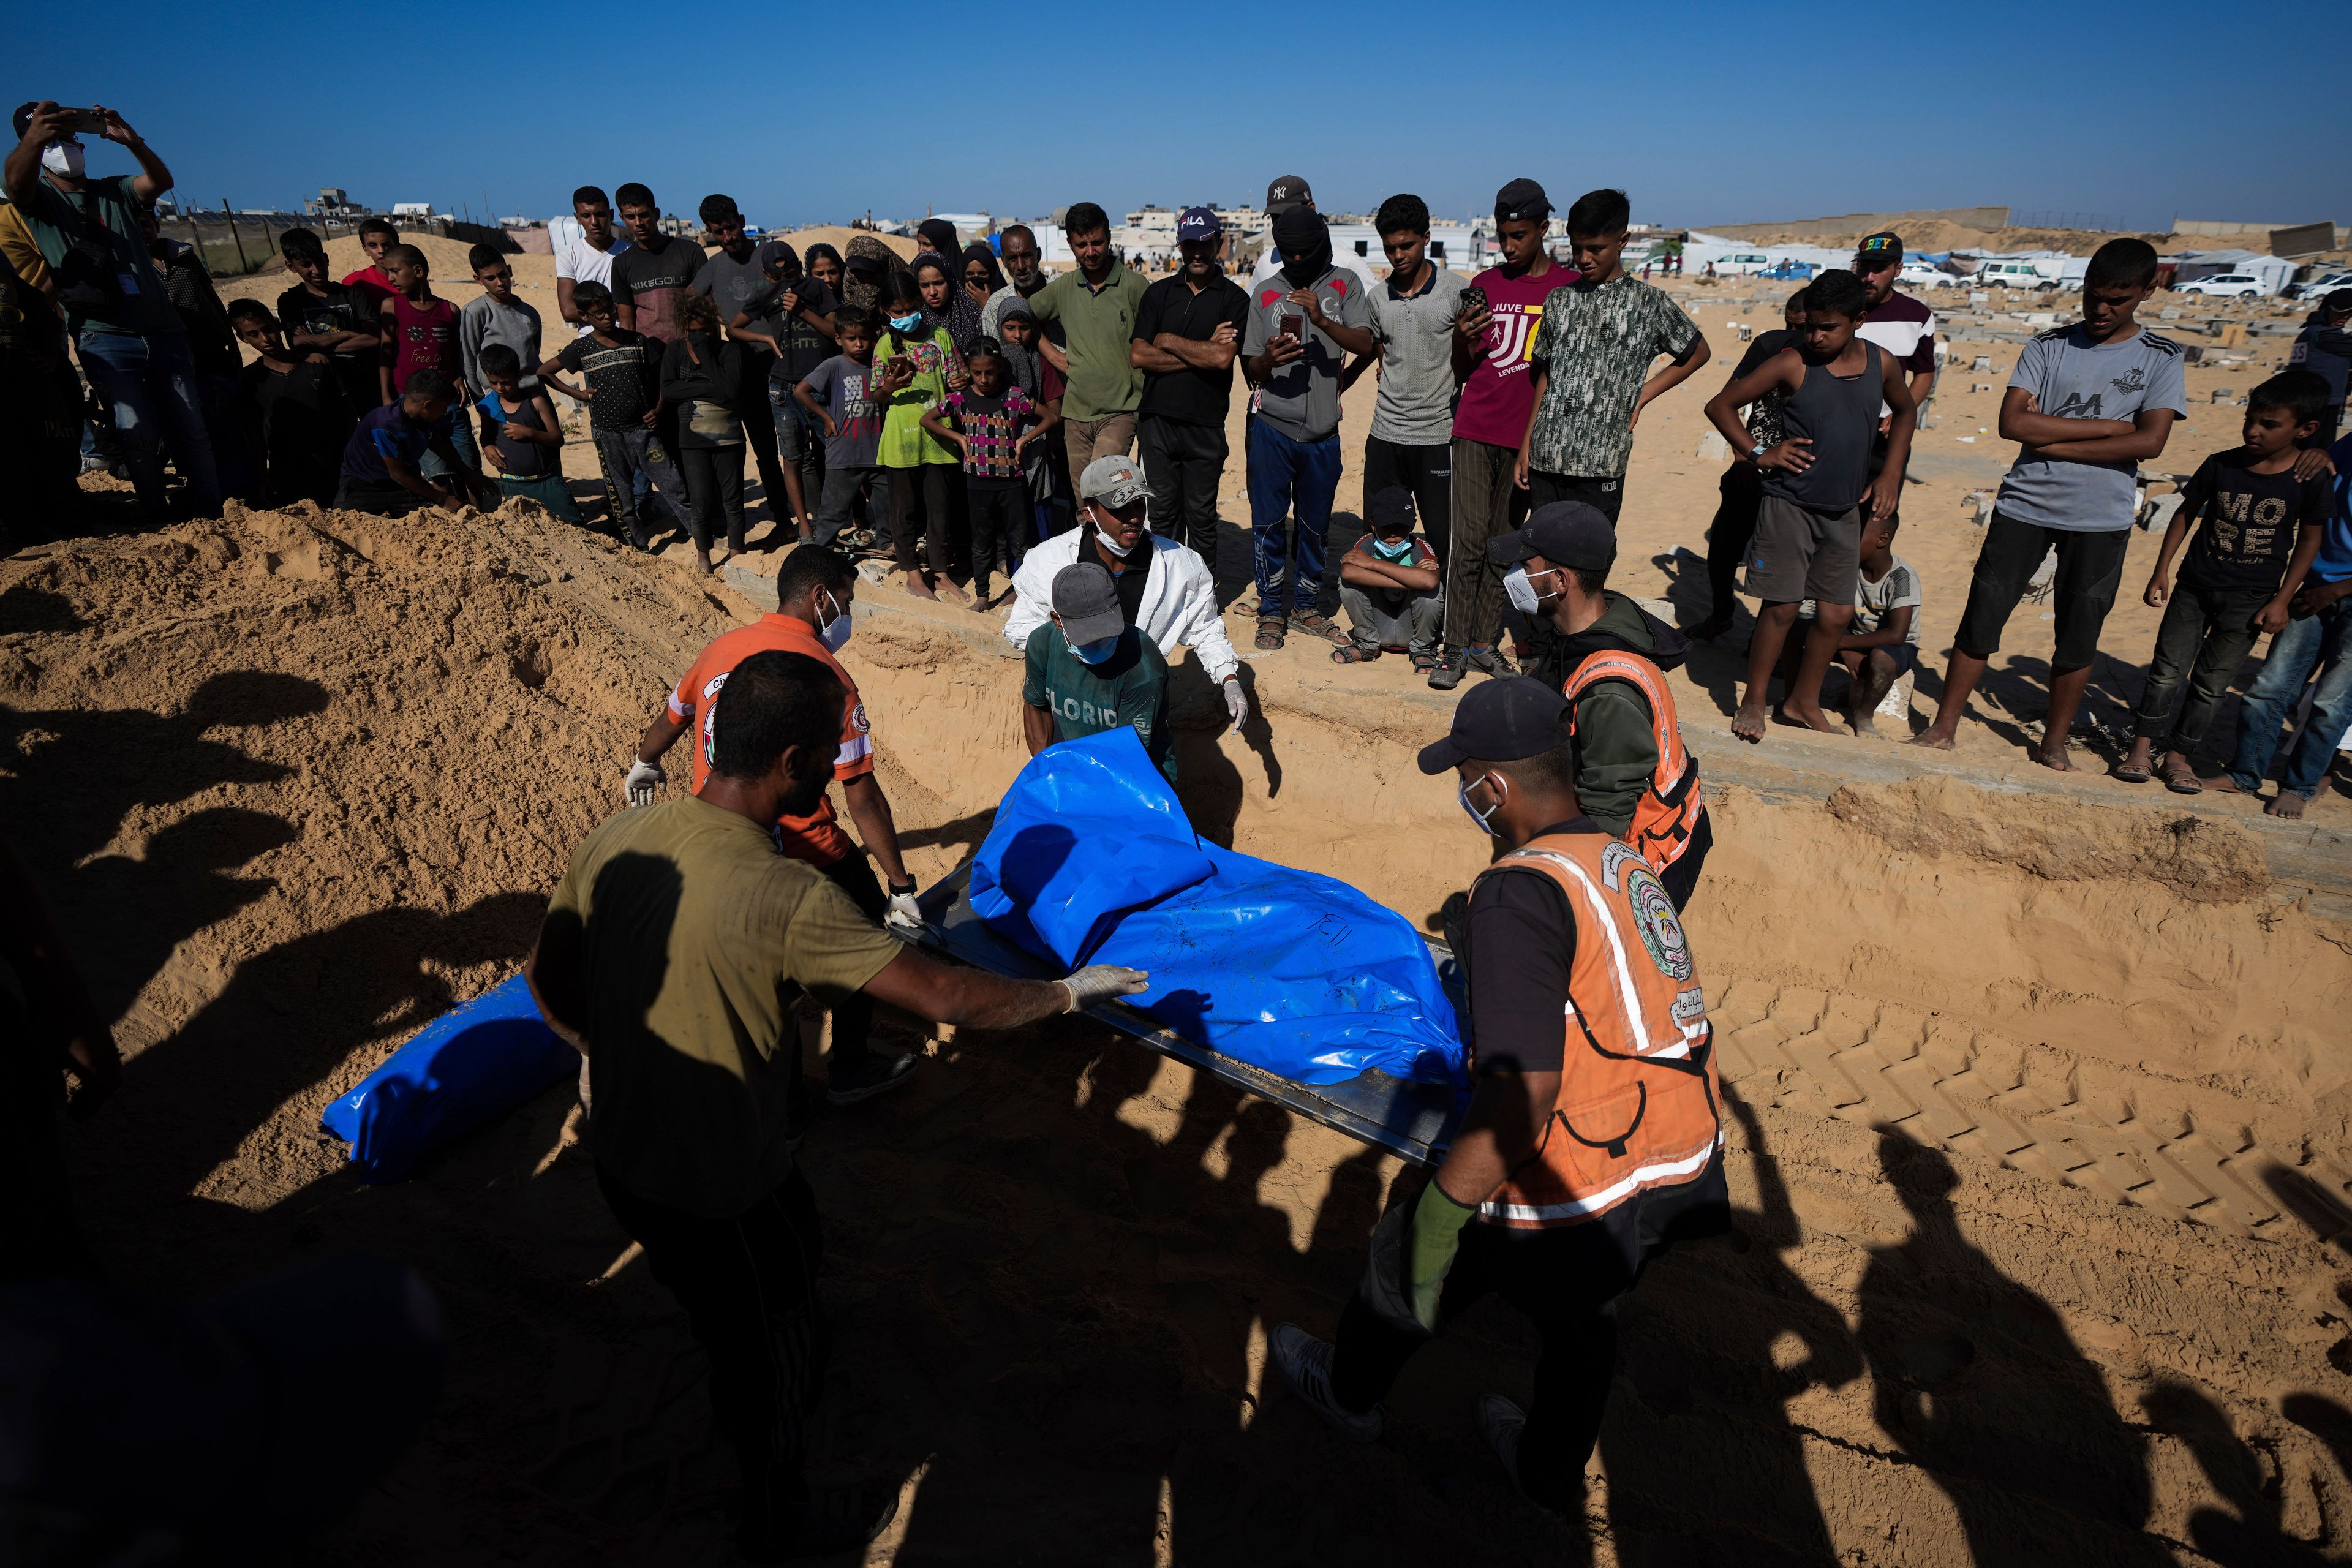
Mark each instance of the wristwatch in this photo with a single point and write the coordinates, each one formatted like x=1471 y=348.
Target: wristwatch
x=1759 y=449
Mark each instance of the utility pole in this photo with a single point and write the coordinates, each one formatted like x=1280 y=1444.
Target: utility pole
x=241 y=265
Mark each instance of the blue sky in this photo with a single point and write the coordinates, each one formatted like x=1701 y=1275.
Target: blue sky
x=1704 y=113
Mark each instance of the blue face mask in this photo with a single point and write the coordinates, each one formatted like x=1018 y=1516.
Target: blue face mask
x=1095 y=652
x=1399 y=550
x=908 y=323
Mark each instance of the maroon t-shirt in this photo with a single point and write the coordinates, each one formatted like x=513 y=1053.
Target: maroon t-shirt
x=1500 y=392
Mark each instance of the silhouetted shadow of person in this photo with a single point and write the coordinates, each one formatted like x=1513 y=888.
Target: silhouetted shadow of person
x=1719 y=1310
x=2251 y=1533
x=1978 y=1383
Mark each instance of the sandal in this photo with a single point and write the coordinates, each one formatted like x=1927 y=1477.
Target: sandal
x=2179 y=776
x=1422 y=663
x=1351 y=654
x=1269 y=633
x=2125 y=773
x=1314 y=626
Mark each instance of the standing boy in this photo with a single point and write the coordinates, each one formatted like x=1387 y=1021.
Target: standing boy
x=377 y=237
x=1593 y=355
x=1091 y=670
x=1494 y=331
x=1898 y=323
x=792 y=314
x=319 y=313
x=623 y=398
x=1741 y=489
x=1411 y=443
x=2324 y=348
x=1388 y=585
x=521 y=442
x=420 y=332
x=2258 y=528
x=651 y=276
x=496 y=316
x=1817 y=485
x=1188 y=332
x=1300 y=325
x=843 y=395
x=2086 y=405
x=584 y=247
x=992 y=424
x=734 y=279
x=296 y=403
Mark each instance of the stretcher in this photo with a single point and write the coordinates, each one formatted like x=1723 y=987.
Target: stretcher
x=1415 y=1121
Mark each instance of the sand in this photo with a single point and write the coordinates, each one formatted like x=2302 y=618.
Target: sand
x=2041 y=1136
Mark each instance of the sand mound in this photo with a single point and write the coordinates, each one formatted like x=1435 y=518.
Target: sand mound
x=837 y=237
x=2200 y=858
x=2042 y=1121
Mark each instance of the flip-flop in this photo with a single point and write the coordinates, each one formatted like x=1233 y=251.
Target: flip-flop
x=2182 y=780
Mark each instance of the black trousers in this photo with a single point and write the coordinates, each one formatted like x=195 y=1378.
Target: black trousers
x=1728 y=536
x=759 y=429
x=1000 y=522
x=747 y=1284
x=714 y=486
x=2205 y=635
x=853 y=1017
x=927 y=486
x=1428 y=473
x=2090 y=569
x=1184 y=464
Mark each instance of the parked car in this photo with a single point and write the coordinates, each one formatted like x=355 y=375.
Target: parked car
x=2225 y=285
x=1925 y=275
x=2012 y=275
x=1788 y=271
x=1740 y=263
x=2319 y=287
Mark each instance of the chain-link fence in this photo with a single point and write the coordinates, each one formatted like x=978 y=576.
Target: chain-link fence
x=233 y=244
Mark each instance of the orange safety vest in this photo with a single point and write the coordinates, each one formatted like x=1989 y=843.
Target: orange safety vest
x=1667 y=812
x=1638 y=1107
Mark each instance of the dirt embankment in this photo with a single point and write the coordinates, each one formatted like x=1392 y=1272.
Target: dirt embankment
x=2039 y=1134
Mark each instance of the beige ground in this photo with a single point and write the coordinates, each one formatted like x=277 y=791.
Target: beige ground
x=2042 y=1140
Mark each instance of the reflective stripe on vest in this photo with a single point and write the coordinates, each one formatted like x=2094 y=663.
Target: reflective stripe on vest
x=1637 y=1105
x=1668 y=810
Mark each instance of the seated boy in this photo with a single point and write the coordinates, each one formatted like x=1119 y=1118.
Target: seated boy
x=296 y=406
x=1388 y=585
x=383 y=469
x=520 y=440
x=2258 y=527
x=1882 y=644
x=1090 y=670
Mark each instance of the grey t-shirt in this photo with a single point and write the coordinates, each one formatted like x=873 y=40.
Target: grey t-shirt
x=1415 y=332
x=2072 y=379
x=733 y=286
x=1301 y=399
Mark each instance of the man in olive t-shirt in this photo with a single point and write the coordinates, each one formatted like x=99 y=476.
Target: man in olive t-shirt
x=671 y=957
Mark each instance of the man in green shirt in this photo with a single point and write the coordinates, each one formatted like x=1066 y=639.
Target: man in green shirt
x=1090 y=671
x=673 y=957
x=1093 y=304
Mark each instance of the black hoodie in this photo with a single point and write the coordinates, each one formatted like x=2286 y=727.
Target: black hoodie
x=1617 y=742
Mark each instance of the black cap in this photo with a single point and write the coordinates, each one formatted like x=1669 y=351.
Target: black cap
x=2338 y=301
x=1286 y=192
x=24 y=117
x=1500 y=721
x=1884 y=248
x=1564 y=533
x=1389 y=511
x=1088 y=602
x=1521 y=201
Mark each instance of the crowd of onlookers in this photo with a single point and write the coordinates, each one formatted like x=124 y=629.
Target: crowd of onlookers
x=945 y=411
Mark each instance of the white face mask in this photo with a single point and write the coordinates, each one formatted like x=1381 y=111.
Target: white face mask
x=834 y=633
x=63 y=158
x=1113 y=545
x=1521 y=589
x=1486 y=821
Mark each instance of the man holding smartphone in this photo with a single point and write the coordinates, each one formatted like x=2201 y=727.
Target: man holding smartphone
x=129 y=337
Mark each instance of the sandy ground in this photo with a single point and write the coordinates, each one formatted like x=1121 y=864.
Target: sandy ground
x=2039 y=1116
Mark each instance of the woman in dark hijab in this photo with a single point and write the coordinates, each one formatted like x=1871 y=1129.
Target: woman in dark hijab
x=981 y=276
x=868 y=263
x=937 y=234
x=952 y=306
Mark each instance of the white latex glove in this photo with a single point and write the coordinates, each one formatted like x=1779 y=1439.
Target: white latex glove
x=644 y=778
x=1236 y=704
x=903 y=916
x=1100 y=983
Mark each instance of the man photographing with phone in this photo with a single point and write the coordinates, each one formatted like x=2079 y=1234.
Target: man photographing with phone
x=128 y=337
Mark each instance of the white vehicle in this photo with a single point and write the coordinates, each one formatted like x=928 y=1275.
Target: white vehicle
x=2321 y=286
x=2012 y=275
x=1922 y=275
x=2225 y=285
x=1740 y=263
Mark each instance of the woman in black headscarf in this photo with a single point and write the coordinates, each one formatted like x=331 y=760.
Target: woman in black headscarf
x=981 y=275
x=937 y=234
x=945 y=301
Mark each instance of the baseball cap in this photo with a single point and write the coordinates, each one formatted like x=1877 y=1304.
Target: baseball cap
x=1884 y=248
x=1088 y=602
x=1564 y=533
x=24 y=117
x=1112 y=480
x=1497 y=721
x=771 y=251
x=1522 y=200
x=2338 y=300
x=1388 y=509
x=1198 y=223
x=1286 y=193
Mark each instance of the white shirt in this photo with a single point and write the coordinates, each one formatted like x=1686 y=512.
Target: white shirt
x=577 y=260
x=1180 y=598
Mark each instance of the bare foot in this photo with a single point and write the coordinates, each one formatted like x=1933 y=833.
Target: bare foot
x=948 y=590
x=918 y=587
x=1932 y=740
x=2221 y=784
x=2056 y=761
x=1811 y=718
x=1863 y=720
x=703 y=559
x=1748 y=724
x=2288 y=806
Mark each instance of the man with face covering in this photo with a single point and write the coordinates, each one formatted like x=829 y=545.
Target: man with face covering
x=129 y=340
x=1091 y=670
x=674 y=957
x=1165 y=588
x=1301 y=326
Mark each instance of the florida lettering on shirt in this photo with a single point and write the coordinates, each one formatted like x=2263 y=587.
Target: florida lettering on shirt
x=1078 y=710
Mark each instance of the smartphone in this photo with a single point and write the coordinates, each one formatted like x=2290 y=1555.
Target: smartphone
x=1292 y=322
x=1473 y=299
x=84 y=122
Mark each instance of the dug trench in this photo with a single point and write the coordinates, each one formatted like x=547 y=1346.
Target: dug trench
x=2039 y=1132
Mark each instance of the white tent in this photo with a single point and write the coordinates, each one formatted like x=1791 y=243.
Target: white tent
x=2276 y=272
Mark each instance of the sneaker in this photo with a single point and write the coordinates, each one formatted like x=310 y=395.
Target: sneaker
x=1305 y=1364
x=865 y=1076
x=1446 y=673
x=1500 y=1422
x=1491 y=660
x=833 y=1521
